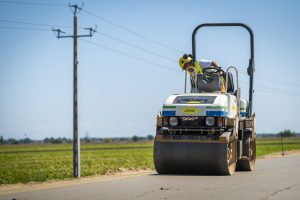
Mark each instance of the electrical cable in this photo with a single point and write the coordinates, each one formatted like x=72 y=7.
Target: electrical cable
x=32 y=3
x=124 y=42
x=33 y=24
x=264 y=88
x=24 y=28
x=135 y=46
x=130 y=56
x=270 y=90
x=104 y=34
x=281 y=82
x=272 y=80
x=131 y=32
x=277 y=93
x=101 y=18
x=114 y=24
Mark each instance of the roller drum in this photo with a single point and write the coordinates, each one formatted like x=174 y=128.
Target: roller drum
x=194 y=157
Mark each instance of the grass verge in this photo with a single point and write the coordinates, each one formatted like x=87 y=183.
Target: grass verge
x=38 y=163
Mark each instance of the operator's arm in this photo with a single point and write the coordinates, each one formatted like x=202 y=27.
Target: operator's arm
x=214 y=64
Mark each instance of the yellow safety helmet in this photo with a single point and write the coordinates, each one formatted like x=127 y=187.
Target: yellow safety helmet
x=185 y=59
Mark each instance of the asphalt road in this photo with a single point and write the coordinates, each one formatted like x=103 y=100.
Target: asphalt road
x=273 y=178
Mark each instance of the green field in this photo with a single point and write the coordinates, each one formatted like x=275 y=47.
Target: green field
x=271 y=145
x=27 y=163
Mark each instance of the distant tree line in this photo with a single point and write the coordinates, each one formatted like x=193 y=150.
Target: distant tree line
x=86 y=139
x=135 y=138
x=15 y=141
x=58 y=140
x=287 y=133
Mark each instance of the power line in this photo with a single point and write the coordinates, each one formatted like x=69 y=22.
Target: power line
x=272 y=90
x=276 y=90
x=277 y=93
x=109 y=22
x=281 y=82
x=32 y=3
x=132 y=32
x=101 y=18
x=137 y=47
x=33 y=24
x=272 y=80
x=104 y=34
x=159 y=43
x=24 y=28
x=111 y=37
x=130 y=56
x=260 y=87
x=90 y=13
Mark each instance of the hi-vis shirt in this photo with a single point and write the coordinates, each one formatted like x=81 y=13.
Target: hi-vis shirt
x=200 y=65
x=204 y=64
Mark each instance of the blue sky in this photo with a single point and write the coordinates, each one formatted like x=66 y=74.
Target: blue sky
x=120 y=87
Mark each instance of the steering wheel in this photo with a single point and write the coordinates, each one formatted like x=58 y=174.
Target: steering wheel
x=213 y=70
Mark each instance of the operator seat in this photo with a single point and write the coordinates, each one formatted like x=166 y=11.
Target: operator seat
x=208 y=84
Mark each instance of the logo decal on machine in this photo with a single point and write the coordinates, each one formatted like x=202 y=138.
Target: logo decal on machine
x=234 y=107
x=190 y=110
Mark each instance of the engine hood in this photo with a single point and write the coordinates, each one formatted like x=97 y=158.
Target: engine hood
x=204 y=104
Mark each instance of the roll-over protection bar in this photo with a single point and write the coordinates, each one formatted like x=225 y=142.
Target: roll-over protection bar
x=250 y=68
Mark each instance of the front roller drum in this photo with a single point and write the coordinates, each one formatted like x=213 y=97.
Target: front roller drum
x=195 y=157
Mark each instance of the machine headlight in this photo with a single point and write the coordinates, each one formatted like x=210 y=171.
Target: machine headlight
x=165 y=121
x=219 y=121
x=210 y=121
x=173 y=121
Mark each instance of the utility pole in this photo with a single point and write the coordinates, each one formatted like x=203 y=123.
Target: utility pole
x=75 y=36
x=282 y=151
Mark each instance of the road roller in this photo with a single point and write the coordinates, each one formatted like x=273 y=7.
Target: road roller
x=208 y=131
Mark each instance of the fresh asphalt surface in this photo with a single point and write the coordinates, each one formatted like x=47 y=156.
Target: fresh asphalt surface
x=273 y=178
